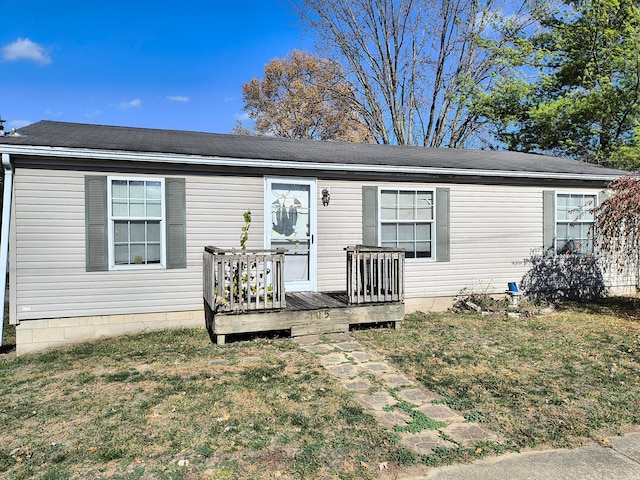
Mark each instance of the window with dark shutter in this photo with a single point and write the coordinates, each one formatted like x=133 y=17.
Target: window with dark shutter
x=416 y=220
x=134 y=223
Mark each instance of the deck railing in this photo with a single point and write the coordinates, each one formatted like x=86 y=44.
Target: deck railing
x=244 y=281
x=375 y=274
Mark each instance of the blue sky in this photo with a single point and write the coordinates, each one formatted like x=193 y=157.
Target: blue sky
x=155 y=64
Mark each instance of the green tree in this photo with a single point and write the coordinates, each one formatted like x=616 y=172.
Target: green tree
x=302 y=96
x=576 y=92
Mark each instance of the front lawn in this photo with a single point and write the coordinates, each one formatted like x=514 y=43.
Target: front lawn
x=560 y=380
x=171 y=405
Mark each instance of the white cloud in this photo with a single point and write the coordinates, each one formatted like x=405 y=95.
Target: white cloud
x=25 y=49
x=51 y=113
x=229 y=99
x=177 y=98
x=135 y=103
x=95 y=113
x=19 y=123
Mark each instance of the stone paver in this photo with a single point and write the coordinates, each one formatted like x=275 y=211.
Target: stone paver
x=466 y=433
x=376 y=367
x=360 y=371
x=396 y=380
x=441 y=413
x=343 y=370
x=377 y=401
x=362 y=357
x=339 y=337
x=392 y=418
x=424 y=442
x=357 y=385
x=307 y=339
x=348 y=346
x=414 y=395
x=321 y=348
x=333 y=359
x=219 y=361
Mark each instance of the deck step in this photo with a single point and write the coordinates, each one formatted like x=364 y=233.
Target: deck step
x=318 y=329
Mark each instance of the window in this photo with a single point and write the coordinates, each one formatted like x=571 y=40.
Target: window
x=574 y=223
x=136 y=221
x=133 y=223
x=406 y=221
x=416 y=220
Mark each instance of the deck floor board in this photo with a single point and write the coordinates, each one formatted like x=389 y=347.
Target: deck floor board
x=315 y=300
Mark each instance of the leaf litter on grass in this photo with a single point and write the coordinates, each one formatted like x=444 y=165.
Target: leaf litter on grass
x=171 y=405
x=558 y=380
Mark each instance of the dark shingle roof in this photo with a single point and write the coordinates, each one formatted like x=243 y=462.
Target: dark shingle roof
x=185 y=143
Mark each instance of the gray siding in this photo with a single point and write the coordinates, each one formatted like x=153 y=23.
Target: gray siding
x=49 y=251
x=339 y=226
x=494 y=229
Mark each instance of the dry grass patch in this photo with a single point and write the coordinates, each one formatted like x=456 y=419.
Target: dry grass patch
x=171 y=405
x=558 y=380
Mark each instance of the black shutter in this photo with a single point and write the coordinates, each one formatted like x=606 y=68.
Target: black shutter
x=548 y=222
x=443 y=239
x=95 y=208
x=176 y=214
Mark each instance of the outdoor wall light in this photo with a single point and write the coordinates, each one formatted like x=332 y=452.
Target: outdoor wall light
x=326 y=196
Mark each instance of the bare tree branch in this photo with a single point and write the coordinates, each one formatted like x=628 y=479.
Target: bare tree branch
x=415 y=64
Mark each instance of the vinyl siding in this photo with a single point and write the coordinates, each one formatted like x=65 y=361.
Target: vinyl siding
x=339 y=226
x=494 y=230
x=49 y=251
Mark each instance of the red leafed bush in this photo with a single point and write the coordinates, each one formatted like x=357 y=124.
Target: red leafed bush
x=618 y=225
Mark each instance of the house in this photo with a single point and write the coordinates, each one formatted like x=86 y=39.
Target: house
x=108 y=224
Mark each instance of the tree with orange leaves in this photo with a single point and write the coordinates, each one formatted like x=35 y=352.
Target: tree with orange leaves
x=303 y=96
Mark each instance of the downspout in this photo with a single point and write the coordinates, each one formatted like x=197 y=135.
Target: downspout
x=4 y=239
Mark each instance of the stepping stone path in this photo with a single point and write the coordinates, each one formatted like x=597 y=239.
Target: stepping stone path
x=380 y=387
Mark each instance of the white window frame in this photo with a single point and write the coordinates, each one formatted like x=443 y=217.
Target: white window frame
x=112 y=219
x=557 y=221
x=432 y=222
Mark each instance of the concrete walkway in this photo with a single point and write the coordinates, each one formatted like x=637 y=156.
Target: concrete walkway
x=619 y=460
x=398 y=401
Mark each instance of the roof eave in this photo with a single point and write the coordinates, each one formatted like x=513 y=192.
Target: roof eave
x=170 y=158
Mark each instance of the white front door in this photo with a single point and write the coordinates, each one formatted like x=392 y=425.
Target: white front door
x=290 y=223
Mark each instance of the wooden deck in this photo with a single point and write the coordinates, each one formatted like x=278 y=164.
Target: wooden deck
x=306 y=313
x=244 y=292
x=315 y=300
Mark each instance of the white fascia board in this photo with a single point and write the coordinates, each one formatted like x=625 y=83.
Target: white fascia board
x=171 y=158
